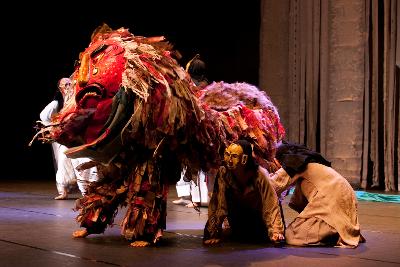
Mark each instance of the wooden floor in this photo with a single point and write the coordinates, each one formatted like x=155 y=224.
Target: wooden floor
x=35 y=230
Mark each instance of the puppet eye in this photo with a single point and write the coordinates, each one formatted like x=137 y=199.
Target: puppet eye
x=98 y=53
x=98 y=50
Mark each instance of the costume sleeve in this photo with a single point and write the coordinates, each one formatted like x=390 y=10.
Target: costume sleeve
x=217 y=208
x=280 y=180
x=271 y=211
x=282 y=183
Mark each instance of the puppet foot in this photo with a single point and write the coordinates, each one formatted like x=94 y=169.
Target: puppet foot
x=212 y=241
x=80 y=233
x=138 y=243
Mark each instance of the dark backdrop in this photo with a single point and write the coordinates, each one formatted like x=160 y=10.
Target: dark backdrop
x=41 y=42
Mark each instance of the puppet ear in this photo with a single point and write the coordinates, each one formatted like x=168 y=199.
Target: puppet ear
x=244 y=159
x=100 y=30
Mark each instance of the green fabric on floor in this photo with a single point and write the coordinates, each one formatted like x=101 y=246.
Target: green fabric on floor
x=362 y=195
x=366 y=196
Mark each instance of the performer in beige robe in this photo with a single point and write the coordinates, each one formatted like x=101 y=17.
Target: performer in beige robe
x=325 y=200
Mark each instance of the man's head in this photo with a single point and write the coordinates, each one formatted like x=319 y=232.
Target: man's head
x=197 y=70
x=239 y=154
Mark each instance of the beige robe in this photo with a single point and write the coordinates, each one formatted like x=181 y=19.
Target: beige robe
x=326 y=203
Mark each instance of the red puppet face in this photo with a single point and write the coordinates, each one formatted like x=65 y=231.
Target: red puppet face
x=88 y=100
x=99 y=73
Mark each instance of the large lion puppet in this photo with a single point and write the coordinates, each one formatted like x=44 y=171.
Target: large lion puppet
x=132 y=109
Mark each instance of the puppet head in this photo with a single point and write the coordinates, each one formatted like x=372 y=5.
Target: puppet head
x=116 y=75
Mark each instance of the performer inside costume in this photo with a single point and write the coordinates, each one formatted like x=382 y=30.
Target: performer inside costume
x=324 y=199
x=244 y=196
x=191 y=193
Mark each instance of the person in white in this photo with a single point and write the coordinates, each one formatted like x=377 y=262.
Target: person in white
x=67 y=174
x=193 y=193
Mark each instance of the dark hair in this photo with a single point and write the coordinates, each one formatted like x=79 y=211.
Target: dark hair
x=197 y=70
x=197 y=67
x=294 y=158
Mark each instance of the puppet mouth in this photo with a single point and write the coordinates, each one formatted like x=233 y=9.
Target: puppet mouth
x=90 y=96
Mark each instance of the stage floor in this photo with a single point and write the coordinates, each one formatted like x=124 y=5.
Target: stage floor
x=35 y=230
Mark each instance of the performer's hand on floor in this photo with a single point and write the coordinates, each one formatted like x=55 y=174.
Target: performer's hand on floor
x=212 y=241
x=278 y=239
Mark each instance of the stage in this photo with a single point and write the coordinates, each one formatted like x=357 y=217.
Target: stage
x=35 y=230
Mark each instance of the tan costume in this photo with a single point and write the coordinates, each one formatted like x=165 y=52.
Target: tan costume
x=327 y=207
x=253 y=213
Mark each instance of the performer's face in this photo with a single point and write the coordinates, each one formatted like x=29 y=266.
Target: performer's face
x=233 y=156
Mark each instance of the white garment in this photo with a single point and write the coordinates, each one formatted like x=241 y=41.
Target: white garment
x=183 y=188
x=46 y=114
x=84 y=177
x=197 y=190
x=67 y=176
